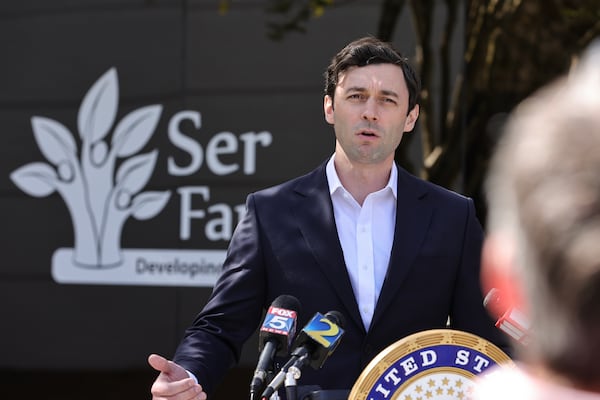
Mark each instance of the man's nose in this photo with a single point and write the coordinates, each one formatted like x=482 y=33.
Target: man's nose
x=370 y=110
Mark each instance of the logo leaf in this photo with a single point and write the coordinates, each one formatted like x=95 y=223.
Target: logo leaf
x=135 y=129
x=54 y=139
x=99 y=108
x=147 y=205
x=134 y=173
x=35 y=179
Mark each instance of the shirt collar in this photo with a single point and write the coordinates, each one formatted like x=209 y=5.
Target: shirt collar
x=335 y=184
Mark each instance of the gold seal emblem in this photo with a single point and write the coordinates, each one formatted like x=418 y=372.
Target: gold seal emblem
x=428 y=365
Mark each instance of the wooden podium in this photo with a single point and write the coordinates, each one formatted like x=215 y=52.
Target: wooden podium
x=433 y=364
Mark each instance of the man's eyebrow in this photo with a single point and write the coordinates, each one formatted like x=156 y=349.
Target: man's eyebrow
x=356 y=89
x=390 y=93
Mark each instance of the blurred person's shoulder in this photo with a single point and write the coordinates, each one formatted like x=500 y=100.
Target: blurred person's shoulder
x=516 y=383
x=503 y=382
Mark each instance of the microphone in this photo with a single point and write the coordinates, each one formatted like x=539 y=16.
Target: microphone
x=275 y=337
x=512 y=321
x=314 y=344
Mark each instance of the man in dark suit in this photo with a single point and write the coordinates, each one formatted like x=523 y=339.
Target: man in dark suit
x=393 y=253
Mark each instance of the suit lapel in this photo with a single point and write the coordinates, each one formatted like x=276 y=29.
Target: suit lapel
x=314 y=215
x=412 y=222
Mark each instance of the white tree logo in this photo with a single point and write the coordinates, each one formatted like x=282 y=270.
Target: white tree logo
x=98 y=200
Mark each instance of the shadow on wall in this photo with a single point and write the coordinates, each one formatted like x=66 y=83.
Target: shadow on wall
x=103 y=385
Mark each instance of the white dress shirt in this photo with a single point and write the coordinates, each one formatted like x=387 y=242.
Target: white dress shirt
x=366 y=235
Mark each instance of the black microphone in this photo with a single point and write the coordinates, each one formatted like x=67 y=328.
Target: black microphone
x=275 y=336
x=314 y=344
x=512 y=321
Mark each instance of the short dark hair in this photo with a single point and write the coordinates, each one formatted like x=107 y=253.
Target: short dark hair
x=366 y=51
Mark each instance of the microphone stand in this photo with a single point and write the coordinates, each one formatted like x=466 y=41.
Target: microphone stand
x=291 y=387
x=264 y=366
x=294 y=364
x=275 y=395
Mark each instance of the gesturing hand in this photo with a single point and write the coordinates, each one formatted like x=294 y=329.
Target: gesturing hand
x=173 y=382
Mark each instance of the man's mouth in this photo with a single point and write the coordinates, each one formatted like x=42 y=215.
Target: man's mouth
x=367 y=133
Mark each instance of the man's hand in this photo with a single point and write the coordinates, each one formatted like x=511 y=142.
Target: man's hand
x=173 y=382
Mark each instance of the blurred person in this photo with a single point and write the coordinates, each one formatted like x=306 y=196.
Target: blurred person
x=359 y=235
x=542 y=251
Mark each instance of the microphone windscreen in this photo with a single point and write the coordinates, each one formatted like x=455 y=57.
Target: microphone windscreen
x=495 y=303
x=287 y=301
x=279 y=324
x=336 y=317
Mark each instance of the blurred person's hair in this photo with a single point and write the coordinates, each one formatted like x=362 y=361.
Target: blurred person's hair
x=543 y=190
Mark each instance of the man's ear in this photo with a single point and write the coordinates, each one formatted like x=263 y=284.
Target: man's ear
x=328 y=109
x=411 y=119
x=498 y=272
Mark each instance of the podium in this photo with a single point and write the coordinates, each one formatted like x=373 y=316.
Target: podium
x=432 y=364
x=437 y=363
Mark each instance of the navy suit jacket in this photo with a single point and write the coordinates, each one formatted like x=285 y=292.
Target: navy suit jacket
x=287 y=243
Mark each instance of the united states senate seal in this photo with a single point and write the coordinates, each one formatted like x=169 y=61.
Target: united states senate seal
x=437 y=364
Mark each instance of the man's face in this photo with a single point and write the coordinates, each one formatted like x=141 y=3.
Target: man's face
x=369 y=113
